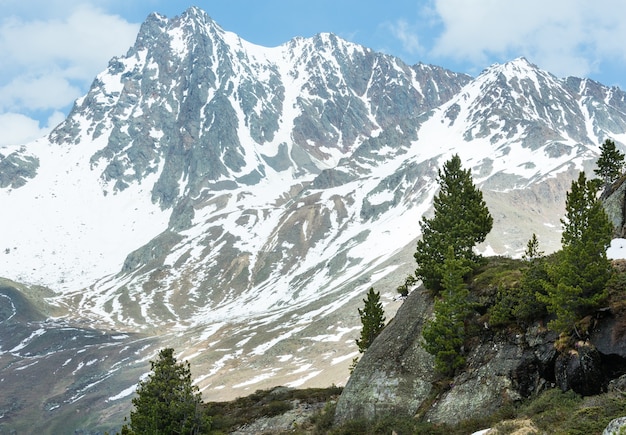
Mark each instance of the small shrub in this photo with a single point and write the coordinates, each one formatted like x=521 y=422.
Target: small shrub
x=277 y=407
x=323 y=420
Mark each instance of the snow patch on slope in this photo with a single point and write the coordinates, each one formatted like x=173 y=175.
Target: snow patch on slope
x=77 y=231
x=617 y=250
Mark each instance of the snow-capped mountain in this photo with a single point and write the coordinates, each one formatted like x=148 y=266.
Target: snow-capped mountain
x=237 y=201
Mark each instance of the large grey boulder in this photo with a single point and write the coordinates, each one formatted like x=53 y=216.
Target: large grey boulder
x=396 y=375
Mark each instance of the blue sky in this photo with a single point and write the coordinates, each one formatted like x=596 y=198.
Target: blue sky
x=52 y=50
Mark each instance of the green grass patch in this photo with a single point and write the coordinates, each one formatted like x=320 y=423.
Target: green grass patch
x=497 y=273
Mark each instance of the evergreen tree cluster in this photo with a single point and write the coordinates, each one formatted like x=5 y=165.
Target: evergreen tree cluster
x=569 y=286
x=571 y=283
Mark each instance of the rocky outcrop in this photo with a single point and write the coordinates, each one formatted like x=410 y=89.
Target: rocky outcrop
x=613 y=201
x=17 y=168
x=397 y=376
x=580 y=369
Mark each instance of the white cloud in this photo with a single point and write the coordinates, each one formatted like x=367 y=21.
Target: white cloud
x=38 y=92
x=50 y=55
x=407 y=36
x=19 y=129
x=78 y=44
x=566 y=37
x=57 y=58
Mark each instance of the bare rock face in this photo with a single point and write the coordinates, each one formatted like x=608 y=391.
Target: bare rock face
x=396 y=375
x=16 y=168
x=580 y=369
x=613 y=201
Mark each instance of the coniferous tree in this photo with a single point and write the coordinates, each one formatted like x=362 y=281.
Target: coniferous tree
x=577 y=283
x=372 y=319
x=403 y=289
x=527 y=306
x=461 y=220
x=445 y=334
x=532 y=249
x=167 y=402
x=610 y=163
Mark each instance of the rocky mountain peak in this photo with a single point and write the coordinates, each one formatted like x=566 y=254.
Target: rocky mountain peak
x=193 y=23
x=199 y=105
x=519 y=67
x=518 y=102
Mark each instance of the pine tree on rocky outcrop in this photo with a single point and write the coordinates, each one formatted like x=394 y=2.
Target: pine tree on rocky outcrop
x=167 y=402
x=409 y=282
x=445 y=334
x=527 y=307
x=578 y=278
x=461 y=220
x=372 y=319
x=610 y=163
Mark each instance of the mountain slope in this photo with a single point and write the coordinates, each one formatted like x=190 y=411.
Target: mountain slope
x=236 y=201
x=224 y=135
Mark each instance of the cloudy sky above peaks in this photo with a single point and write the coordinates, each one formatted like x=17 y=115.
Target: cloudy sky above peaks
x=52 y=50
